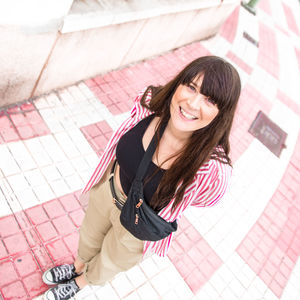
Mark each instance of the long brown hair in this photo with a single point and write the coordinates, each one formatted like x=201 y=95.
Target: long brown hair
x=222 y=83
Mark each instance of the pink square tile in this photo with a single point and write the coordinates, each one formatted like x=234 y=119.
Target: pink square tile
x=57 y=250
x=34 y=284
x=34 y=118
x=196 y=280
x=25 y=264
x=3 y=252
x=184 y=266
x=19 y=119
x=22 y=220
x=16 y=243
x=46 y=231
x=77 y=217
x=41 y=129
x=64 y=225
x=26 y=132
x=114 y=109
x=15 y=290
x=196 y=256
x=192 y=234
x=32 y=237
x=7 y=131
x=42 y=258
x=183 y=240
x=90 y=131
x=37 y=214
x=72 y=241
x=265 y=277
x=27 y=106
x=8 y=226
x=54 y=208
x=7 y=268
x=175 y=253
x=69 y=202
x=275 y=288
x=90 y=83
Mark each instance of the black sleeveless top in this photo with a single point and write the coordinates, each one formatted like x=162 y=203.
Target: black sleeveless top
x=129 y=153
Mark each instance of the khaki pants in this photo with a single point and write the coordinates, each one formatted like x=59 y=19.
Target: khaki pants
x=105 y=245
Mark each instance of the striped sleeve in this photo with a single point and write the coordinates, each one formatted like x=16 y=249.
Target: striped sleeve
x=137 y=113
x=213 y=185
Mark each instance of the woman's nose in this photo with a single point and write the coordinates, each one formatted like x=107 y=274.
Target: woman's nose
x=195 y=102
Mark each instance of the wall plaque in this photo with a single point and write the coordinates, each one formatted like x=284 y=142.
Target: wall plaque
x=268 y=133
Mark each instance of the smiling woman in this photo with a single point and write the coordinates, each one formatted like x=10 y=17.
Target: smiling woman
x=182 y=130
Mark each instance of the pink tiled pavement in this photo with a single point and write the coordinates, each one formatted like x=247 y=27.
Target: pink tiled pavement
x=47 y=234
x=290 y=18
x=272 y=246
x=21 y=122
x=268 y=53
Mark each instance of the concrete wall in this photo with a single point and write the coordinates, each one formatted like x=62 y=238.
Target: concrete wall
x=35 y=61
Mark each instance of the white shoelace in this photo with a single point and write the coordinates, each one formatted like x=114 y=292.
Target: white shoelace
x=63 y=272
x=64 y=290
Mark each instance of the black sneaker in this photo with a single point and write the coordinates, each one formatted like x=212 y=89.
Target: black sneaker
x=62 y=291
x=59 y=274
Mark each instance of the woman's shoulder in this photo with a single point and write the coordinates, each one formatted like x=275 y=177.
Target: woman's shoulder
x=215 y=168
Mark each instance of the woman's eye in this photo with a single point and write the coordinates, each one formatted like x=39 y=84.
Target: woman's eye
x=192 y=88
x=212 y=101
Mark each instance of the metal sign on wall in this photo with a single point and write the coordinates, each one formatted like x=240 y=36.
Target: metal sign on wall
x=268 y=133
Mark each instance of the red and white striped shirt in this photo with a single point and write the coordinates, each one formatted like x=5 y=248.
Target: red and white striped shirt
x=208 y=187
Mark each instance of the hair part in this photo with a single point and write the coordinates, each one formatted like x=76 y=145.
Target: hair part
x=221 y=82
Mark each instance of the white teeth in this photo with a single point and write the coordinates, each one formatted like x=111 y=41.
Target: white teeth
x=188 y=116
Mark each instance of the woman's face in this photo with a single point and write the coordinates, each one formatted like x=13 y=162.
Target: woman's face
x=190 y=110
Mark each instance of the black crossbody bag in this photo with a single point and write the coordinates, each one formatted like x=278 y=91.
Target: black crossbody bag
x=136 y=215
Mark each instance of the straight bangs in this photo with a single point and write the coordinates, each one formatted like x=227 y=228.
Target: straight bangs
x=218 y=80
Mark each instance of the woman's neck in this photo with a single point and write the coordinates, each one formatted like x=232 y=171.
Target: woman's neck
x=179 y=137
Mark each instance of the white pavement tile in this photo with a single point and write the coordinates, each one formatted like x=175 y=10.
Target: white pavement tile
x=38 y=152
x=52 y=148
x=66 y=144
x=75 y=182
x=122 y=285
x=8 y=165
x=77 y=93
x=4 y=207
x=27 y=198
x=207 y=292
x=34 y=177
x=217 y=45
x=13 y=205
x=85 y=90
x=18 y=182
x=41 y=103
x=80 y=141
x=65 y=168
x=21 y=155
x=147 y=292
x=264 y=83
x=51 y=173
x=292 y=289
x=287 y=58
x=136 y=276
x=133 y=296
x=59 y=187
x=44 y=193
x=149 y=267
x=106 y=292
x=80 y=164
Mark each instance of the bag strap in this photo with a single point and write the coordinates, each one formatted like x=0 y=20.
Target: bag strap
x=147 y=158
